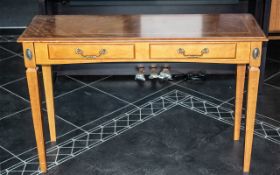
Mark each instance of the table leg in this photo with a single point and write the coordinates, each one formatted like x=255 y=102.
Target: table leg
x=48 y=84
x=34 y=93
x=240 y=79
x=253 y=82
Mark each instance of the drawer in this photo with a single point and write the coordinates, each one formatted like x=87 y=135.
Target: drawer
x=195 y=50
x=91 y=51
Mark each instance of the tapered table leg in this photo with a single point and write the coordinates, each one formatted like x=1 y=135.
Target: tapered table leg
x=253 y=82
x=240 y=79
x=33 y=87
x=48 y=84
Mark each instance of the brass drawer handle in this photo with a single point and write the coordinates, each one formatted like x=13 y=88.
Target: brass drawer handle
x=183 y=52
x=81 y=52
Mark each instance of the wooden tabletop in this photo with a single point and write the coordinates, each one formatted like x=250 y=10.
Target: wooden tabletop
x=181 y=27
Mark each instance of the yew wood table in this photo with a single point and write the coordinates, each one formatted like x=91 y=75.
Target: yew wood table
x=221 y=39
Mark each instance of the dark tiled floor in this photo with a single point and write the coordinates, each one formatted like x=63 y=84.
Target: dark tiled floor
x=20 y=137
x=176 y=140
x=5 y=54
x=4 y=154
x=272 y=68
x=128 y=90
x=163 y=145
x=268 y=102
x=275 y=80
x=85 y=101
x=63 y=85
x=11 y=69
x=10 y=103
x=220 y=87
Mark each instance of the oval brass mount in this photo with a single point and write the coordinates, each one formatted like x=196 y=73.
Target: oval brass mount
x=28 y=53
x=256 y=53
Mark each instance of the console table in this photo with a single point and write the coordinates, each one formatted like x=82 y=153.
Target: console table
x=221 y=39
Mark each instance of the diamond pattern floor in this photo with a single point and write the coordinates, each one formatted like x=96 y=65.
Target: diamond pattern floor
x=126 y=121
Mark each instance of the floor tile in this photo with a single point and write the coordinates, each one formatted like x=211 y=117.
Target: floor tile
x=66 y=136
x=218 y=86
x=124 y=122
x=125 y=87
x=17 y=133
x=166 y=145
x=14 y=47
x=268 y=102
x=20 y=88
x=3 y=39
x=175 y=87
x=62 y=85
x=195 y=166
x=271 y=68
x=4 y=54
x=97 y=122
x=11 y=69
x=158 y=146
x=7 y=159
x=85 y=105
x=4 y=155
x=88 y=79
x=275 y=81
x=9 y=103
x=221 y=155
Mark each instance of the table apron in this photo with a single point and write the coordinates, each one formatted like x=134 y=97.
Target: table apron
x=112 y=52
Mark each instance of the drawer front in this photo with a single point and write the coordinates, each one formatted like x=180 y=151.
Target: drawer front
x=91 y=51
x=196 y=50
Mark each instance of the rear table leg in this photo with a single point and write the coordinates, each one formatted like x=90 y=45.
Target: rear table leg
x=48 y=84
x=240 y=79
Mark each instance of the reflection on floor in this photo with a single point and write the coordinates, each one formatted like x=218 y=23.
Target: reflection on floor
x=185 y=126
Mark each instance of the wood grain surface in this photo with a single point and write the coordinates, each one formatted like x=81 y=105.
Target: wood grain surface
x=186 y=27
